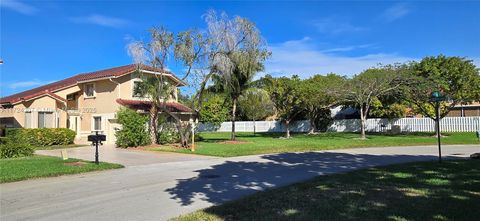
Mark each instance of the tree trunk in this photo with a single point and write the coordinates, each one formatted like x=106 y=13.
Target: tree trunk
x=234 y=109
x=312 y=127
x=184 y=132
x=362 y=122
x=153 y=124
x=287 y=124
x=254 y=127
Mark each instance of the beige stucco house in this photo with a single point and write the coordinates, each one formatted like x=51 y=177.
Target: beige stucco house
x=85 y=102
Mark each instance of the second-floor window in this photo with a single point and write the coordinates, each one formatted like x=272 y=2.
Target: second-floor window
x=89 y=90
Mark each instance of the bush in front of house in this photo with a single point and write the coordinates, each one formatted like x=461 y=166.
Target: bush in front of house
x=3 y=140
x=15 y=148
x=134 y=130
x=41 y=136
x=168 y=134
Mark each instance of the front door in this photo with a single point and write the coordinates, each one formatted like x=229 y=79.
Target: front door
x=74 y=123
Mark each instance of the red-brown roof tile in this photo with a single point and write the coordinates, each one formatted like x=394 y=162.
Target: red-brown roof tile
x=71 y=81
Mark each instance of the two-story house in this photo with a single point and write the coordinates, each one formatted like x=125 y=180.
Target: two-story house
x=85 y=102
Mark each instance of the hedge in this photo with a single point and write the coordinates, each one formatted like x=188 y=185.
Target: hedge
x=11 y=149
x=42 y=136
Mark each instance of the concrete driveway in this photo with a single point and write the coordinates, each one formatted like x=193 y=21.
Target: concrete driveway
x=164 y=190
x=126 y=157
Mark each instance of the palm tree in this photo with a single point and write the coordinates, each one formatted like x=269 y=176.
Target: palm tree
x=157 y=91
x=241 y=69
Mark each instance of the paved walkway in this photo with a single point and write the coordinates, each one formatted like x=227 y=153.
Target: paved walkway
x=126 y=157
x=161 y=191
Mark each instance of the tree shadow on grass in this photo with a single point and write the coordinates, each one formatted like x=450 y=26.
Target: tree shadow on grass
x=371 y=196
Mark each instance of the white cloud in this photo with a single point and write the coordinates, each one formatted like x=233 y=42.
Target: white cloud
x=336 y=25
x=301 y=57
x=27 y=84
x=18 y=6
x=347 y=48
x=101 y=20
x=476 y=61
x=395 y=12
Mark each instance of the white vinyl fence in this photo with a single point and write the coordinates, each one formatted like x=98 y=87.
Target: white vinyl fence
x=447 y=124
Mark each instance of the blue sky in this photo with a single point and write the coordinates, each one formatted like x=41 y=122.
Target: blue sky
x=45 y=41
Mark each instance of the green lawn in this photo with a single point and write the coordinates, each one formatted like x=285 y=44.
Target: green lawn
x=272 y=143
x=414 y=191
x=45 y=166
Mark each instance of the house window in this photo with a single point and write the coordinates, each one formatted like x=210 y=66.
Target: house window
x=97 y=123
x=89 y=90
x=45 y=119
x=28 y=119
x=135 y=92
x=71 y=97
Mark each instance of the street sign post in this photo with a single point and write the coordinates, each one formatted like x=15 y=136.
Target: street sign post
x=437 y=97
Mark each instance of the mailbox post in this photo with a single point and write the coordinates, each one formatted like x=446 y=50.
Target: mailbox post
x=96 y=139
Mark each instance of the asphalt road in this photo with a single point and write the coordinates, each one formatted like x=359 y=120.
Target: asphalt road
x=159 y=191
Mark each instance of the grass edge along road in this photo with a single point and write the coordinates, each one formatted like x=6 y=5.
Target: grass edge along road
x=412 y=191
x=22 y=168
x=216 y=143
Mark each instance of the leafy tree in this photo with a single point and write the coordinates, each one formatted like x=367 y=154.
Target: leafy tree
x=256 y=104
x=133 y=132
x=239 y=55
x=155 y=88
x=285 y=94
x=379 y=109
x=362 y=89
x=189 y=48
x=323 y=120
x=317 y=95
x=456 y=78
x=214 y=109
x=230 y=49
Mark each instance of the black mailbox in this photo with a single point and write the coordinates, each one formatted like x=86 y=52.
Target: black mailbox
x=97 y=138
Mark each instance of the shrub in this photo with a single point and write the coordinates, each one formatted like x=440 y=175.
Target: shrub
x=199 y=137
x=134 y=131
x=168 y=134
x=15 y=148
x=3 y=140
x=214 y=110
x=324 y=120
x=42 y=136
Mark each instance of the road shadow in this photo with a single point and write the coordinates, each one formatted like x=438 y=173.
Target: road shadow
x=232 y=180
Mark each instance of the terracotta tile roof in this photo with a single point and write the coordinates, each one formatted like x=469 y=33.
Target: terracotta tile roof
x=71 y=81
x=145 y=105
